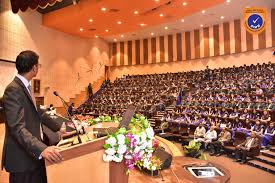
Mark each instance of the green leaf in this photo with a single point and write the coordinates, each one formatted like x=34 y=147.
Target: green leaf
x=122 y=130
x=107 y=146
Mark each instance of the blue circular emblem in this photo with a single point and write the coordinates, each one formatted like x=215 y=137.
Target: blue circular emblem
x=255 y=22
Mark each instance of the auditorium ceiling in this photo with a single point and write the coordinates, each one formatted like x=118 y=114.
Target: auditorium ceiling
x=118 y=20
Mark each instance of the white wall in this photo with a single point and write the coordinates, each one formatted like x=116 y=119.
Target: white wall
x=63 y=57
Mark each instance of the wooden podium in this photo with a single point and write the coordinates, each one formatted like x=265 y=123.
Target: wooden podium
x=83 y=163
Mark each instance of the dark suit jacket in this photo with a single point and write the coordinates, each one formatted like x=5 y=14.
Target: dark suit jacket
x=255 y=143
x=23 y=144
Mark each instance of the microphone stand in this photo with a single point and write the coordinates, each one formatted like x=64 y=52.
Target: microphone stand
x=65 y=105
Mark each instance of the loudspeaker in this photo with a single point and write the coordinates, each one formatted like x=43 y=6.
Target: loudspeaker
x=164 y=157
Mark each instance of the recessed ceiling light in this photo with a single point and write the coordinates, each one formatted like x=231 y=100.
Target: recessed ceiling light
x=157 y=0
x=152 y=33
x=184 y=3
x=122 y=35
x=165 y=27
x=135 y=12
x=203 y=11
x=142 y=24
x=90 y=20
x=103 y=9
x=96 y=36
x=115 y=39
x=161 y=15
x=106 y=30
x=201 y=25
x=228 y=1
x=81 y=29
x=182 y=20
x=222 y=17
x=119 y=22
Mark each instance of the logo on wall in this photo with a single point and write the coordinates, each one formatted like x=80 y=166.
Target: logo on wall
x=255 y=19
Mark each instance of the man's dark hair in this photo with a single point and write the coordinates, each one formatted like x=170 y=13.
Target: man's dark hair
x=25 y=61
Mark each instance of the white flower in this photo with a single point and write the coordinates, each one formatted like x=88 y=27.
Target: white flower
x=111 y=141
x=122 y=149
x=146 y=163
x=118 y=158
x=110 y=151
x=154 y=168
x=150 y=144
x=107 y=158
x=143 y=137
x=137 y=138
x=120 y=139
x=143 y=145
x=128 y=157
x=150 y=132
x=137 y=149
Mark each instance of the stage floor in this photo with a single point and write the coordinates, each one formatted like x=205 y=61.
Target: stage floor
x=177 y=173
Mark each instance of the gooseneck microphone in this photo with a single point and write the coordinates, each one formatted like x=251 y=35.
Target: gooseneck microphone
x=66 y=106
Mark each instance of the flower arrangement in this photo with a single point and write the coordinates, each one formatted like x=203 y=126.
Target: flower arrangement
x=135 y=146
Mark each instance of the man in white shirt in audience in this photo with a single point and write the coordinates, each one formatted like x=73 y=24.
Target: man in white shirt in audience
x=210 y=136
x=199 y=132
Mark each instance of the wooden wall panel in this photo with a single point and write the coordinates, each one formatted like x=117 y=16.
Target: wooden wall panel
x=188 y=45
x=179 y=47
x=130 y=59
x=161 y=48
x=197 y=43
x=249 y=41
x=273 y=26
x=154 y=50
x=137 y=52
x=237 y=33
x=121 y=53
x=206 y=42
x=226 y=34
x=114 y=54
x=145 y=51
x=262 y=40
x=170 y=48
x=216 y=37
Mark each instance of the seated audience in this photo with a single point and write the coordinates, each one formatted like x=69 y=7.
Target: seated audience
x=216 y=146
x=247 y=146
x=268 y=135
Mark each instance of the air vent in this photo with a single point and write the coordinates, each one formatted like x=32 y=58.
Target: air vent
x=92 y=29
x=113 y=10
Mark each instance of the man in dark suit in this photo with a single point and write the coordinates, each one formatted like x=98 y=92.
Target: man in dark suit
x=24 y=150
x=246 y=147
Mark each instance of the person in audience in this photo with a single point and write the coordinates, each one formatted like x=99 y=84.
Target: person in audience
x=265 y=117
x=268 y=135
x=199 y=132
x=90 y=91
x=247 y=146
x=258 y=128
x=209 y=137
x=216 y=146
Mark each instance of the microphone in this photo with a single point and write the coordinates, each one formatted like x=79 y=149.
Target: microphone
x=55 y=93
x=65 y=105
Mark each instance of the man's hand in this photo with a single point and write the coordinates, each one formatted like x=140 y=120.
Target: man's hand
x=52 y=154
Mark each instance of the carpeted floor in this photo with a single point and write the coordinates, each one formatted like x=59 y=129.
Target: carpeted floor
x=243 y=173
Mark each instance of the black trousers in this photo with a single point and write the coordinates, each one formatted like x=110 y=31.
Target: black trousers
x=215 y=147
x=241 y=154
x=35 y=176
